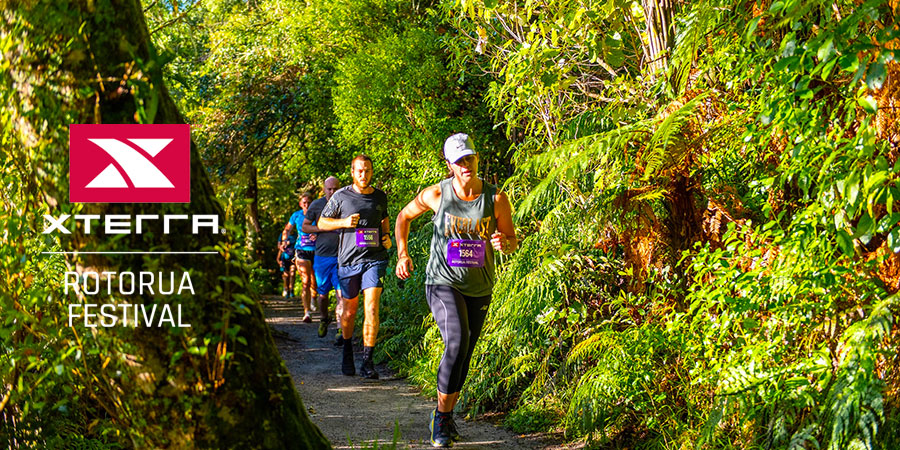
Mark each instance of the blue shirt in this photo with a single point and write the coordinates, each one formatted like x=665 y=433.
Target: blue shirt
x=303 y=243
x=288 y=252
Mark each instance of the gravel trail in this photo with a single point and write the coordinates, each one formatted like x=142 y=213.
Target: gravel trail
x=353 y=410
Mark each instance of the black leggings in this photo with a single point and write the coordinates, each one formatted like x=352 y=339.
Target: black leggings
x=460 y=319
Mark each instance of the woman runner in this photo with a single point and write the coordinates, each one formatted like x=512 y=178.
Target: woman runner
x=468 y=213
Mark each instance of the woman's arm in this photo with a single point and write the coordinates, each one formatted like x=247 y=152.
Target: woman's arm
x=504 y=239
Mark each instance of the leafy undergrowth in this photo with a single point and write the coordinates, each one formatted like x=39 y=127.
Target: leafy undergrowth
x=712 y=264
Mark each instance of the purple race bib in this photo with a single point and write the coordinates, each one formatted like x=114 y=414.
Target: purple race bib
x=465 y=253
x=306 y=240
x=367 y=237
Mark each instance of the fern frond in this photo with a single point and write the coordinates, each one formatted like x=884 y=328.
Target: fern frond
x=855 y=403
x=805 y=438
x=665 y=144
x=702 y=19
x=584 y=349
x=568 y=161
x=650 y=196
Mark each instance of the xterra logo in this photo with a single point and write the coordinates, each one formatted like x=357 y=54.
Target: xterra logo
x=130 y=163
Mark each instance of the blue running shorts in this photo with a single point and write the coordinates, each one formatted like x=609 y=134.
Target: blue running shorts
x=326 y=269
x=360 y=277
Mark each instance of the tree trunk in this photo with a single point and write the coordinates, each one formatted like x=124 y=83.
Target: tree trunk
x=219 y=383
x=254 y=230
x=659 y=17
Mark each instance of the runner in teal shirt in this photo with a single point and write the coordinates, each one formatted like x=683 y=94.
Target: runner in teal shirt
x=472 y=219
x=304 y=254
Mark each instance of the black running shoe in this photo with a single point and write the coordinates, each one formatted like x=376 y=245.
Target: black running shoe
x=438 y=426
x=340 y=339
x=367 y=368
x=452 y=430
x=347 y=363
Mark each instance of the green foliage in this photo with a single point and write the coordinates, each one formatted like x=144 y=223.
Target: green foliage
x=617 y=393
x=709 y=251
x=549 y=58
x=532 y=417
x=770 y=324
x=393 y=97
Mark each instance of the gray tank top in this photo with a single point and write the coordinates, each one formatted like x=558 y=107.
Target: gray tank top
x=461 y=252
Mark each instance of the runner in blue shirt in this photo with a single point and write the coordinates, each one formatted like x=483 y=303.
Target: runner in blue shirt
x=304 y=254
x=326 y=263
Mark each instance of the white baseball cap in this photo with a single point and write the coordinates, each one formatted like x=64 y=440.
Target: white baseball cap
x=457 y=147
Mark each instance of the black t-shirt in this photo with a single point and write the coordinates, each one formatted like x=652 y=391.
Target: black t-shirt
x=326 y=241
x=362 y=244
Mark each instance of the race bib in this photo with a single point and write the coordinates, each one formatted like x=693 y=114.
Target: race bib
x=306 y=240
x=367 y=237
x=465 y=253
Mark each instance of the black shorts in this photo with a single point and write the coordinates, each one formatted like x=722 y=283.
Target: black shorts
x=286 y=263
x=305 y=255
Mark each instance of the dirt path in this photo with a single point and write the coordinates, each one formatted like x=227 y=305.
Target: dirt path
x=350 y=409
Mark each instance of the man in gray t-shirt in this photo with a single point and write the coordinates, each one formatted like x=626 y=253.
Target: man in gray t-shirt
x=361 y=243
x=359 y=213
x=325 y=264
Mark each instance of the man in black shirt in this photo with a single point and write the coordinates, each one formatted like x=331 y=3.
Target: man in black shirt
x=359 y=214
x=325 y=263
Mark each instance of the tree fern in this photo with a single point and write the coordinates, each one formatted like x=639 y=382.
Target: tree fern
x=700 y=20
x=564 y=163
x=666 y=145
x=855 y=403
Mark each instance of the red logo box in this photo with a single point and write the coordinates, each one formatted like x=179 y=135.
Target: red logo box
x=134 y=163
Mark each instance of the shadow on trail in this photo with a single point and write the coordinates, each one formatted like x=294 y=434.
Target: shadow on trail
x=351 y=409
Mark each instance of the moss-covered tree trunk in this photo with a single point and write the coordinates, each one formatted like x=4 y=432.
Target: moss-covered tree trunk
x=218 y=384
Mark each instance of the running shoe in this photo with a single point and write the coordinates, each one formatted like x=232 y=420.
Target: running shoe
x=339 y=341
x=284 y=294
x=367 y=368
x=452 y=430
x=307 y=319
x=438 y=426
x=323 y=328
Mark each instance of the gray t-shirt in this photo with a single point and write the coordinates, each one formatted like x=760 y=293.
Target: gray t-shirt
x=326 y=241
x=362 y=244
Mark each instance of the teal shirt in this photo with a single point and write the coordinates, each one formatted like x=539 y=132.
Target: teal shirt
x=296 y=220
x=458 y=222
